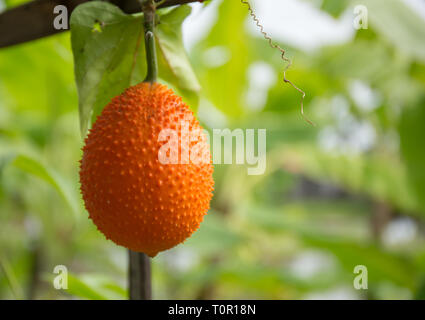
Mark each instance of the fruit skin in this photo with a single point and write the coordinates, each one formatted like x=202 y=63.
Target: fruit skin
x=132 y=198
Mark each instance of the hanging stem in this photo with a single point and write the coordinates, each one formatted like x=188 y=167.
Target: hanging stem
x=140 y=285
x=148 y=7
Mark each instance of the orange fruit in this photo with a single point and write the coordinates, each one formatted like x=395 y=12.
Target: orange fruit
x=133 y=196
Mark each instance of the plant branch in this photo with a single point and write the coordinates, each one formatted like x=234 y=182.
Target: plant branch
x=34 y=20
x=170 y=3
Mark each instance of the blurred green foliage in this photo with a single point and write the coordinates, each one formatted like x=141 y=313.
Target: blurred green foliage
x=331 y=199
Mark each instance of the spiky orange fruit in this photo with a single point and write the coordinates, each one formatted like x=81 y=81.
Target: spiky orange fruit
x=133 y=197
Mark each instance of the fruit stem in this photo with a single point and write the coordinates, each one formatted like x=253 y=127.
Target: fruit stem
x=140 y=283
x=148 y=7
x=139 y=271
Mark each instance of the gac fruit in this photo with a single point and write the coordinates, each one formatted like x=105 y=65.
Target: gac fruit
x=133 y=198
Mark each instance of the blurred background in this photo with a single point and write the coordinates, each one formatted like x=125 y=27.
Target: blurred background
x=346 y=192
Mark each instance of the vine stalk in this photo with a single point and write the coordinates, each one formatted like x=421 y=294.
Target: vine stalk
x=140 y=283
x=140 y=277
x=148 y=7
x=284 y=58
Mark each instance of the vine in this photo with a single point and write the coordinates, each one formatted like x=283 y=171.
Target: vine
x=284 y=58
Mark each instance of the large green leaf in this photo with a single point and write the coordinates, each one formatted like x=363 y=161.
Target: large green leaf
x=214 y=236
x=108 y=49
x=35 y=79
x=412 y=133
x=363 y=59
x=334 y=7
x=174 y=65
x=379 y=177
x=105 y=46
x=37 y=168
x=91 y=287
x=225 y=55
x=399 y=24
x=95 y=287
x=79 y=288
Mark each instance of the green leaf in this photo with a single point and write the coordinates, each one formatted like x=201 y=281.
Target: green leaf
x=10 y=276
x=420 y=292
x=225 y=56
x=363 y=59
x=38 y=169
x=109 y=56
x=104 y=61
x=382 y=265
x=399 y=24
x=44 y=93
x=380 y=177
x=334 y=7
x=174 y=64
x=260 y=277
x=412 y=131
x=78 y=288
x=214 y=236
x=95 y=287
x=92 y=287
